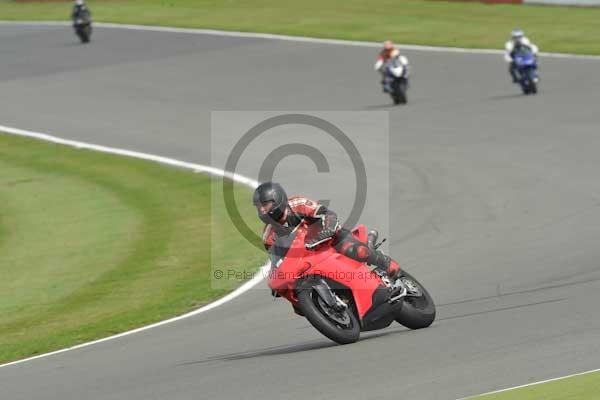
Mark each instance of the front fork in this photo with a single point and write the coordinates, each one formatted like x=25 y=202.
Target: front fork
x=400 y=288
x=327 y=294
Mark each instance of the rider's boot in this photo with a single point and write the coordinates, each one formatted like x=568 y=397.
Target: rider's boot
x=385 y=263
x=379 y=260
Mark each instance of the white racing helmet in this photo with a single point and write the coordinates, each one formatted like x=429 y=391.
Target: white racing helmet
x=517 y=35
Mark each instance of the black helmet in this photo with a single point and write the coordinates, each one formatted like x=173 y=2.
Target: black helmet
x=271 y=191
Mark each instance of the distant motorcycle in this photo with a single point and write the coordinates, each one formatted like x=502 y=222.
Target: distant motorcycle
x=395 y=80
x=83 y=29
x=526 y=66
x=340 y=296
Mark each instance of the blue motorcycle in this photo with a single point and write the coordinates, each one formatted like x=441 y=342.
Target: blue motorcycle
x=526 y=67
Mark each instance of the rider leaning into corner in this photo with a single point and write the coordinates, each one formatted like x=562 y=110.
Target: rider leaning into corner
x=388 y=54
x=517 y=41
x=281 y=213
x=80 y=11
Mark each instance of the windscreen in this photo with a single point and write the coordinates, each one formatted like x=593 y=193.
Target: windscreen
x=523 y=56
x=280 y=248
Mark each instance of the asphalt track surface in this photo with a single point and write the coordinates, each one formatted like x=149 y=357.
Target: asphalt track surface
x=495 y=202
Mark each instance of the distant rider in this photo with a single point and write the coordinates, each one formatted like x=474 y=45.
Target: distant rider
x=389 y=54
x=517 y=42
x=80 y=11
x=281 y=215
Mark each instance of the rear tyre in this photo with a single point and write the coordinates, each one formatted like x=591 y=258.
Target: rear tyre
x=341 y=327
x=417 y=312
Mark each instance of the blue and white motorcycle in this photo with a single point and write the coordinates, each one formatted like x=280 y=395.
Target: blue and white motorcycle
x=526 y=67
x=395 y=81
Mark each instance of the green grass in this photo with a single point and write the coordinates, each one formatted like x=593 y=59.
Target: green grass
x=558 y=29
x=93 y=244
x=581 y=387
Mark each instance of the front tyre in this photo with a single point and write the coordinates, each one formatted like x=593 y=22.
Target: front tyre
x=418 y=311
x=340 y=326
x=533 y=87
x=399 y=91
x=84 y=33
x=87 y=32
x=525 y=87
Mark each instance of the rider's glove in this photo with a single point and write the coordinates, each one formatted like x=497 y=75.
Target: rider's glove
x=323 y=236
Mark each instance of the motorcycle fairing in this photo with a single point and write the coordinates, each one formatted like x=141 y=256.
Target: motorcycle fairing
x=327 y=263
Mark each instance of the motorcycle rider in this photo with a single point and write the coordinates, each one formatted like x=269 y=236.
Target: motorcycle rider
x=281 y=214
x=388 y=54
x=517 y=42
x=80 y=11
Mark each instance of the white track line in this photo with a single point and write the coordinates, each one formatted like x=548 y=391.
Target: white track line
x=297 y=39
x=532 y=384
x=162 y=160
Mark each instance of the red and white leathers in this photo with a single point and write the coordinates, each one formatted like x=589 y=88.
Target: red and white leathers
x=302 y=208
x=401 y=62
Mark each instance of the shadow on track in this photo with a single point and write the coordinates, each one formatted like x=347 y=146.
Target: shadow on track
x=268 y=351
x=288 y=349
x=507 y=96
x=381 y=107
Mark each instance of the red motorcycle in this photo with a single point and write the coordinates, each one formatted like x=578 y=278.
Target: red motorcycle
x=340 y=296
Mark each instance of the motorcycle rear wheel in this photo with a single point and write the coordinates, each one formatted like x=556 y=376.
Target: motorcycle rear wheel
x=324 y=318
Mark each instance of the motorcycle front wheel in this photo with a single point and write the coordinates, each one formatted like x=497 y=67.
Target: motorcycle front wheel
x=340 y=326
x=399 y=92
x=533 y=87
x=83 y=33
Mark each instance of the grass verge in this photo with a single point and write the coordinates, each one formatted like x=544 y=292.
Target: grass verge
x=93 y=244
x=439 y=23
x=581 y=387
